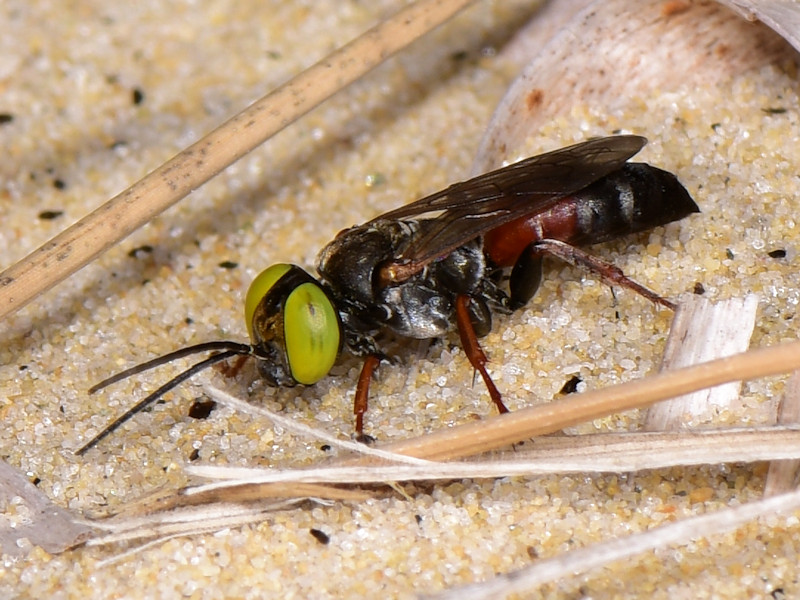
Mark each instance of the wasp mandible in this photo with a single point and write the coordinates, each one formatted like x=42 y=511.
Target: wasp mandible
x=422 y=277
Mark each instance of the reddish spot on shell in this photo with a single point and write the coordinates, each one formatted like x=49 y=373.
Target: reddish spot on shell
x=534 y=99
x=721 y=50
x=673 y=7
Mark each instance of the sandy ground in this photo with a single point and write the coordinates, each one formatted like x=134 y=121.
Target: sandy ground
x=98 y=95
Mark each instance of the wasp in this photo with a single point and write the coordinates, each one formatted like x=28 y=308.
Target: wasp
x=420 y=276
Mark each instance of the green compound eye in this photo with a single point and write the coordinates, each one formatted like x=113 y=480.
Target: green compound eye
x=262 y=284
x=312 y=333
x=288 y=312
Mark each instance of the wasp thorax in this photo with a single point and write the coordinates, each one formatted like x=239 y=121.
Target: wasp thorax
x=293 y=324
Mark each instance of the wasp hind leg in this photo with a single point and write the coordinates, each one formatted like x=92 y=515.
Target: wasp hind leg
x=526 y=275
x=611 y=274
x=473 y=350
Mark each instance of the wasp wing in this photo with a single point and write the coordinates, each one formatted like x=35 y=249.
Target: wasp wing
x=473 y=207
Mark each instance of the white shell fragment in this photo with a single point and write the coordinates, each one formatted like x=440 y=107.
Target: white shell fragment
x=613 y=51
x=703 y=331
x=781 y=15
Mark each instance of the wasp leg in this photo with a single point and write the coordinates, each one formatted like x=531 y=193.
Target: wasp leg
x=610 y=273
x=361 y=400
x=232 y=371
x=526 y=275
x=473 y=349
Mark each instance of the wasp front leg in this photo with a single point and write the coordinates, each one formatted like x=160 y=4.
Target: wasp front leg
x=361 y=400
x=362 y=344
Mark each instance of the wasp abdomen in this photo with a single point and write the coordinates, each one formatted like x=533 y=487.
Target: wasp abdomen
x=635 y=198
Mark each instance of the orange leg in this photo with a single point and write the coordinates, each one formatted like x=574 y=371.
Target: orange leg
x=473 y=349
x=232 y=371
x=361 y=400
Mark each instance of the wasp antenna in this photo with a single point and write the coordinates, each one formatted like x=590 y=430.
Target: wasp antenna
x=237 y=349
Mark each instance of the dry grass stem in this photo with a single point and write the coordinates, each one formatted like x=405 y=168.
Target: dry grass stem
x=79 y=244
x=504 y=430
x=184 y=521
x=164 y=502
x=600 y=453
x=290 y=424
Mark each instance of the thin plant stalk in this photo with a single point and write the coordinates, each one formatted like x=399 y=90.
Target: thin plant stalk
x=100 y=230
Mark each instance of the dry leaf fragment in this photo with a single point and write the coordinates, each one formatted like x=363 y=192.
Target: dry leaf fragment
x=30 y=515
